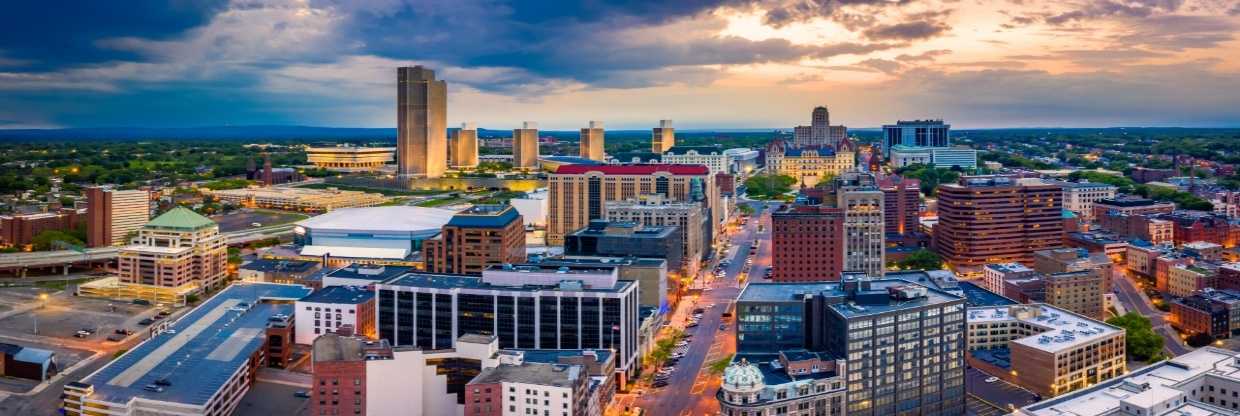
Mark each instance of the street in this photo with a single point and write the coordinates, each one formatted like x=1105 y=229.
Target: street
x=691 y=388
x=1135 y=300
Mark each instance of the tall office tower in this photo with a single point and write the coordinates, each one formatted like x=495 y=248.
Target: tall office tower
x=463 y=146
x=904 y=343
x=996 y=219
x=114 y=214
x=525 y=146
x=806 y=242
x=864 y=242
x=802 y=136
x=836 y=135
x=591 y=144
x=916 y=133
x=477 y=238
x=580 y=193
x=902 y=197
x=663 y=137
x=820 y=122
x=421 y=123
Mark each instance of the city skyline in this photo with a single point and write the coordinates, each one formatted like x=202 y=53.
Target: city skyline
x=725 y=65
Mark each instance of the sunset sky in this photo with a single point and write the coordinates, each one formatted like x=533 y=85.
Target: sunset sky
x=705 y=64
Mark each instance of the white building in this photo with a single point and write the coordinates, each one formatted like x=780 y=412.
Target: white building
x=528 y=388
x=944 y=157
x=993 y=275
x=390 y=233
x=1202 y=382
x=1079 y=197
x=533 y=208
x=332 y=307
x=711 y=157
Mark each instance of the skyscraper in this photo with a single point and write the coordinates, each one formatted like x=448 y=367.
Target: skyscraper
x=663 y=137
x=592 y=141
x=916 y=133
x=525 y=146
x=805 y=242
x=858 y=195
x=463 y=149
x=421 y=123
x=113 y=214
x=819 y=124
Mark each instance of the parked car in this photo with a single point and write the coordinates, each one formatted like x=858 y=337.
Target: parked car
x=124 y=331
x=146 y=321
x=81 y=334
x=153 y=388
x=142 y=302
x=116 y=337
x=302 y=394
x=991 y=379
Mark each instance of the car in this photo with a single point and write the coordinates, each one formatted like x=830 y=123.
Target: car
x=991 y=379
x=256 y=224
x=146 y=321
x=153 y=388
x=123 y=331
x=81 y=334
x=723 y=327
x=142 y=302
x=116 y=337
x=163 y=382
x=301 y=394
x=88 y=330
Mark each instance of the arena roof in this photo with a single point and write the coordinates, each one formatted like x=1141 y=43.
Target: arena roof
x=390 y=218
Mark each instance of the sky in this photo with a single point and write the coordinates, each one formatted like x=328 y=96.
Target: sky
x=703 y=63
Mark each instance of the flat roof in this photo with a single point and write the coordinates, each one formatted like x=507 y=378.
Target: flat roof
x=373 y=272
x=1061 y=329
x=271 y=265
x=489 y=216
x=542 y=374
x=1146 y=386
x=634 y=169
x=200 y=351
x=341 y=295
x=451 y=281
x=390 y=218
x=794 y=292
x=975 y=296
x=1009 y=267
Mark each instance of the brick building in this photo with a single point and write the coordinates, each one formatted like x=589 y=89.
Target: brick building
x=477 y=238
x=19 y=230
x=806 y=242
x=902 y=197
x=996 y=219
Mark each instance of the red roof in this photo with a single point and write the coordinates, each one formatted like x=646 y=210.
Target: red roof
x=643 y=169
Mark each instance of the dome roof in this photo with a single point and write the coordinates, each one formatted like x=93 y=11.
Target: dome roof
x=742 y=375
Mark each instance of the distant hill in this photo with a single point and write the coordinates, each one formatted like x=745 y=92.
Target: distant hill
x=278 y=133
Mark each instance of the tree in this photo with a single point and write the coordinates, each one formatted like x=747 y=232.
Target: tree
x=1143 y=344
x=921 y=259
x=768 y=186
x=52 y=240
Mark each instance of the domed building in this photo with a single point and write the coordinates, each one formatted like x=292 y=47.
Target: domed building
x=794 y=383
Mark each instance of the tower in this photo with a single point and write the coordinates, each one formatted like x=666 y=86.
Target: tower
x=663 y=137
x=463 y=148
x=268 y=180
x=820 y=122
x=421 y=123
x=525 y=146
x=591 y=144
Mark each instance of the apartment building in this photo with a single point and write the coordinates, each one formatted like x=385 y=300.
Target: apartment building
x=807 y=244
x=475 y=239
x=1079 y=197
x=1048 y=350
x=1186 y=279
x=333 y=307
x=529 y=389
x=1130 y=205
x=994 y=275
x=114 y=214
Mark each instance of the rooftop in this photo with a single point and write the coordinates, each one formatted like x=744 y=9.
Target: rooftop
x=340 y=295
x=976 y=296
x=450 y=281
x=634 y=169
x=269 y=265
x=389 y=218
x=542 y=374
x=200 y=351
x=485 y=216
x=1148 y=386
x=373 y=272
x=1127 y=202
x=1009 y=268
x=773 y=373
x=883 y=295
x=1061 y=329
x=180 y=219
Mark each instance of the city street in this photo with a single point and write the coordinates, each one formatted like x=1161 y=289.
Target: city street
x=691 y=388
x=1135 y=300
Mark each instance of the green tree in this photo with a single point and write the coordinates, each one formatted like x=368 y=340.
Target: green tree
x=1143 y=343
x=52 y=240
x=921 y=259
x=768 y=186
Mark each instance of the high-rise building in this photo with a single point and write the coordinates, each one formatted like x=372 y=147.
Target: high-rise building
x=622 y=238
x=864 y=242
x=591 y=142
x=663 y=137
x=580 y=193
x=820 y=133
x=655 y=210
x=820 y=119
x=996 y=219
x=463 y=146
x=534 y=306
x=806 y=242
x=421 y=123
x=477 y=238
x=901 y=204
x=1043 y=348
x=176 y=254
x=114 y=215
x=916 y=133
x=525 y=146
x=903 y=343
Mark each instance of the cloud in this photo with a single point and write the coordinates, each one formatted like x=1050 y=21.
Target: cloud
x=1179 y=32
x=907 y=31
x=1115 y=8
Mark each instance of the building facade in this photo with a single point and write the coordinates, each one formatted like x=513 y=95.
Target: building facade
x=1079 y=197
x=857 y=193
x=177 y=251
x=463 y=147
x=580 y=193
x=901 y=204
x=475 y=239
x=421 y=123
x=333 y=307
x=807 y=244
x=19 y=230
x=687 y=218
x=114 y=214
x=350 y=158
x=994 y=275
x=944 y=157
x=525 y=146
x=794 y=382
x=808 y=166
x=622 y=238
x=916 y=133
x=995 y=219
x=662 y=138
x=590 y=145
x=710 y=156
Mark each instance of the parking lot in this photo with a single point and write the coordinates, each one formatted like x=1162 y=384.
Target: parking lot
x=997 y=393
x=62 y=315
x=267 y=398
